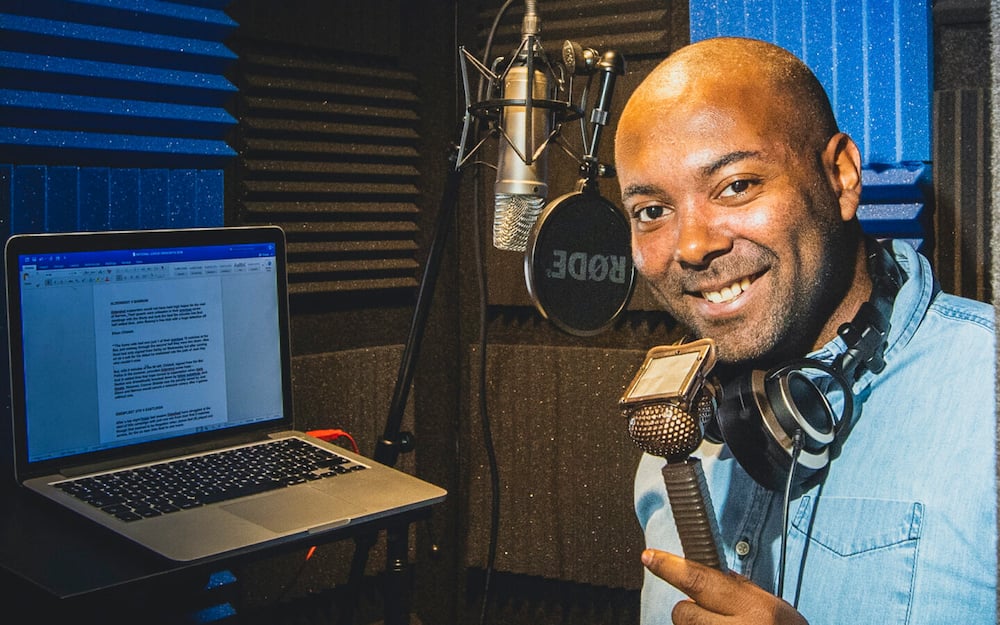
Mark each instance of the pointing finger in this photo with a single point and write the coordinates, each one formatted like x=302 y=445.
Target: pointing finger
x=707 y=586
x=714 y=592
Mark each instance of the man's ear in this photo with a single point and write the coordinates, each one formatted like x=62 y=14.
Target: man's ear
x=842 y=162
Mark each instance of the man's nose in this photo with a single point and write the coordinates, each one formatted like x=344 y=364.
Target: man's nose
x=700 y=238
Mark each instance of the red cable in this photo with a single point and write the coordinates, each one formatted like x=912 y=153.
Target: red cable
x=332 y=435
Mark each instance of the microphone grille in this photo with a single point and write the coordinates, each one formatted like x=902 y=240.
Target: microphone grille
x=667 y=430
x=513 y=218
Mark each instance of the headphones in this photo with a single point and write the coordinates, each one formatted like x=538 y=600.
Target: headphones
x=780 y=424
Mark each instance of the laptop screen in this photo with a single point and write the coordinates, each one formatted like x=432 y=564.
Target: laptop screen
x=129 y=339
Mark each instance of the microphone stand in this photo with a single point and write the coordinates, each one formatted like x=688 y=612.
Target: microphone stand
x=394 y=441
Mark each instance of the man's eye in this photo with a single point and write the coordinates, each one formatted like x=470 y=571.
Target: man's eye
x=738 y=188
x=649 y=213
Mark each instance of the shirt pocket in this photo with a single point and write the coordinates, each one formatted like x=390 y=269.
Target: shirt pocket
x=856 y=559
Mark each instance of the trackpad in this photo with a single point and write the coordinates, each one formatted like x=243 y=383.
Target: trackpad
x=295 y=509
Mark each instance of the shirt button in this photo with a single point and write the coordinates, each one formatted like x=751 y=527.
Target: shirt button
x=742 y=548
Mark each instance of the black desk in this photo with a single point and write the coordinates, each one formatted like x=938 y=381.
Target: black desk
x=55 y=565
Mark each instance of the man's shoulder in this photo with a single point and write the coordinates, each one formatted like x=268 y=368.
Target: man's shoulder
x=921 y=283
x=964 y=311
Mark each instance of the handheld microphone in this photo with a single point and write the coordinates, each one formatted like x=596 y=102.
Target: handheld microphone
x=667 y=406
x=526 y=123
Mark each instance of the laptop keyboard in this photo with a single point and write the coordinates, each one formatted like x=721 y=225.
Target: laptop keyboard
x=153 y=490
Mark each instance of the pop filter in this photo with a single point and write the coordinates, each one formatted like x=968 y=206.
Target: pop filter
x=578 y=263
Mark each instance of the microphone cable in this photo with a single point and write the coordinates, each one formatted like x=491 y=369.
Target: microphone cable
x=797 y=443
x=488 y=445
x=485 y=420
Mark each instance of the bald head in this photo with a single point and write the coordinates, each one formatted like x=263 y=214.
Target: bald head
x=770 y=82
x=742 y=197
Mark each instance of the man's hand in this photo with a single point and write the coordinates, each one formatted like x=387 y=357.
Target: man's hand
x=717 y=597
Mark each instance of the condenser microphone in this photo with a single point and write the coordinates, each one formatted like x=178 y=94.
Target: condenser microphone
x=525 y=126
x=667 y=405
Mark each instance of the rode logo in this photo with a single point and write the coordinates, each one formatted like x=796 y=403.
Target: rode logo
x=587 y=267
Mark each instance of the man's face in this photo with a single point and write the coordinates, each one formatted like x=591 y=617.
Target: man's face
x=737 y=230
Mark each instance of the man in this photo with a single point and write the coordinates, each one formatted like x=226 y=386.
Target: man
x=743 y=196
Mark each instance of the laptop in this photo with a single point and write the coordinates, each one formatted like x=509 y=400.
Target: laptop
x=137 y=354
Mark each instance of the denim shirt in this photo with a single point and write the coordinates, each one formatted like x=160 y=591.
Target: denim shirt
x=902 y=529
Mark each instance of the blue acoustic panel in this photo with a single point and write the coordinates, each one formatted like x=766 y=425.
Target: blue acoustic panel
x=113 y=113
x=41 y=198
x=123 y=199
x=62 y=199
x=61 y=110
x=115 y=83
x=93 y=211
x=5 y=202
x=44 y=74
x=72 y=39
x=77 y=146
x=154 y=193
x=893 y=203
x=209 y=196
x=27 y=199
x=873 y=58
x=198 y=19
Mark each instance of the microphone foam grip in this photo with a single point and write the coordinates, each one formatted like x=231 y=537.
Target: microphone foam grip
x=691 y=506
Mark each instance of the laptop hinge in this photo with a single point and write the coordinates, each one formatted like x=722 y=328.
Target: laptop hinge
x=156 y=456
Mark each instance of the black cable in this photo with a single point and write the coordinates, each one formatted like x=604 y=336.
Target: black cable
x=488 y=445
x=485 y=422
x=487 y=48
x=797 y=444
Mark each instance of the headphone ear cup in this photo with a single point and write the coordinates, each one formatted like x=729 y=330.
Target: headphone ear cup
x=758 y=417
x=741 y=426
x=711 y=424
x=760 y=414
x=798 y=405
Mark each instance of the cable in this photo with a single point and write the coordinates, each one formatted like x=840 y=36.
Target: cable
x=487 y=48
x=484 y=413
x=486 y=427
x=797 y=444
x=584 y=96
x=332 y=435
x=328 y=435
x=483 y=331
x=293 y=580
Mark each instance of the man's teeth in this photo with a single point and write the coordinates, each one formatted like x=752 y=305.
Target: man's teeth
x=727 y=293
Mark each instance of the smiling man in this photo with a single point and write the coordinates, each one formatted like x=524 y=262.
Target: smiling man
x=743 y=196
